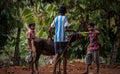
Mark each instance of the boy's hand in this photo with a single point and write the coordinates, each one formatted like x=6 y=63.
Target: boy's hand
x=50 y=33
x=50 y=37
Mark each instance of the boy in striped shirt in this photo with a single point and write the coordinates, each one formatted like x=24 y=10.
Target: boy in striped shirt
x=60 y=24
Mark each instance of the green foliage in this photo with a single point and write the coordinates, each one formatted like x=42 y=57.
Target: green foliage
x=10 y=20
x=105 y=14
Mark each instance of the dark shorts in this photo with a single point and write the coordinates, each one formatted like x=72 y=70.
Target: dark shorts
x=92 y=56
x=59 y=47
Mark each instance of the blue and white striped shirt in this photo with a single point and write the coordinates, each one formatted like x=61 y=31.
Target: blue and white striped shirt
x=60 y=22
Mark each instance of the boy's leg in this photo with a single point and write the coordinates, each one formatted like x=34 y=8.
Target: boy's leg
x=88 y=61
x=55 y=61
x=29 y=59
x=56 y=57
x=87 y=69
x=96 y=60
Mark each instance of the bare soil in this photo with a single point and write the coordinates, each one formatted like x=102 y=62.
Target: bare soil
x=73 y=68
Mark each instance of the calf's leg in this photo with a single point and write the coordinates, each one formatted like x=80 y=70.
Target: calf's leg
x=31 y=67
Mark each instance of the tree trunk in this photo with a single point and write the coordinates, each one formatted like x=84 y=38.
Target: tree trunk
x=84 y=21
x=17 y=53
x=114 y=51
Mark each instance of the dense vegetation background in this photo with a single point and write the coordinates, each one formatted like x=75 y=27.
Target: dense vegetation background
x=17 y=14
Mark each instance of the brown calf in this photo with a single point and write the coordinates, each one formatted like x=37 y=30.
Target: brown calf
x=46 y=47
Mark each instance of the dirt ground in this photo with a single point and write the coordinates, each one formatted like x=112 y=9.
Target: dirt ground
x=73 y=68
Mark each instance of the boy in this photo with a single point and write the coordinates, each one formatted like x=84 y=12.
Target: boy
x=30 y=37
x=93 y=48
x=60 y=24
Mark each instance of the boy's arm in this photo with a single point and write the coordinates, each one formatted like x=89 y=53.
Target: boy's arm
x=29 y=44
x=50 y=30
x=29 y=40
x=96 y=31
x=50 y=33
x=68 y=25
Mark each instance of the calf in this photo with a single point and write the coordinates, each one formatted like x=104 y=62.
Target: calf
x=46 y=47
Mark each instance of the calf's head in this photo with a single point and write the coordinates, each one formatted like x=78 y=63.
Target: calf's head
x=73 y=37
